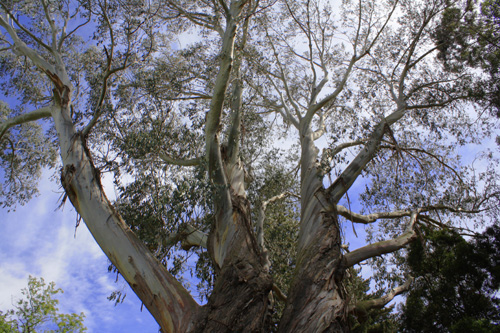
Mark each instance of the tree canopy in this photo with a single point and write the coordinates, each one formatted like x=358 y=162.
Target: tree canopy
x=38 y=311
x=251 y=136
x=470 y=36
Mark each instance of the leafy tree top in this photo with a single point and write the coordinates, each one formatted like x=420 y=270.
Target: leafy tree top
x=37 y=311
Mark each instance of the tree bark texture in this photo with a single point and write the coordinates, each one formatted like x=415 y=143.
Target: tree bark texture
x=240 y=299
x=316 y=302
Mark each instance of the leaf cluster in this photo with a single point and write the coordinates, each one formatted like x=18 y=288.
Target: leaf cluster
x=469 y=36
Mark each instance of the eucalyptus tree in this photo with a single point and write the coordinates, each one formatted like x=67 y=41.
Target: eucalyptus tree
x=214 y=145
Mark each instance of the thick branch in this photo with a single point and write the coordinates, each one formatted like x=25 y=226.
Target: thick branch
x=189 y=236
x=223 y=204
x=383 y=247
x=44 y=112
x=233 y=141
x=28 y=52
x=23 y=28
x=170 y=160
x=167 y=300
x=370 y=218
x=353 y=170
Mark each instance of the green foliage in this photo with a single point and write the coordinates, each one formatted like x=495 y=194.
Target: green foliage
x=457 y=283
x=38 y=312
x=24 y=152
x=470 y=36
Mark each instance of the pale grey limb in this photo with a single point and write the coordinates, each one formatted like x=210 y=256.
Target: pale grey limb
x=383 y=247
x=170 y=160
x=44 y=112
x=362 y=307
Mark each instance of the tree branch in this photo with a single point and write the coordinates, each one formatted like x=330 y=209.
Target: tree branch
x=370 y=218
x=233 y=140
x=383 y=247
x=223 y=205
x=362 y=307
x=189 y=236
x=260 y=224
x=170 y=160
x=21 y=46
x=29 y=33
x=355 y=58
x=44 y=112
x=353 y=170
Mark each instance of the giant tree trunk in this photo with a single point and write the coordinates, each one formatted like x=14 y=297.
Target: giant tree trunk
x=316 y=302
x=240 y=299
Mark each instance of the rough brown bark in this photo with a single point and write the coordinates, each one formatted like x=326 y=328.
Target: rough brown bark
x=240 y=299
x=317 y=302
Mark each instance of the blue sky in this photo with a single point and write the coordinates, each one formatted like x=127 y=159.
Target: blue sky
x=39 y=240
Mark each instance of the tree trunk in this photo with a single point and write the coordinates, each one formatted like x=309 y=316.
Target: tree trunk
x=316 y=301
x=240 y=299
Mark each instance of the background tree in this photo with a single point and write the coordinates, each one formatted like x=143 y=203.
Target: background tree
x=457 y=282
x=38 y=311
x=214 y=146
